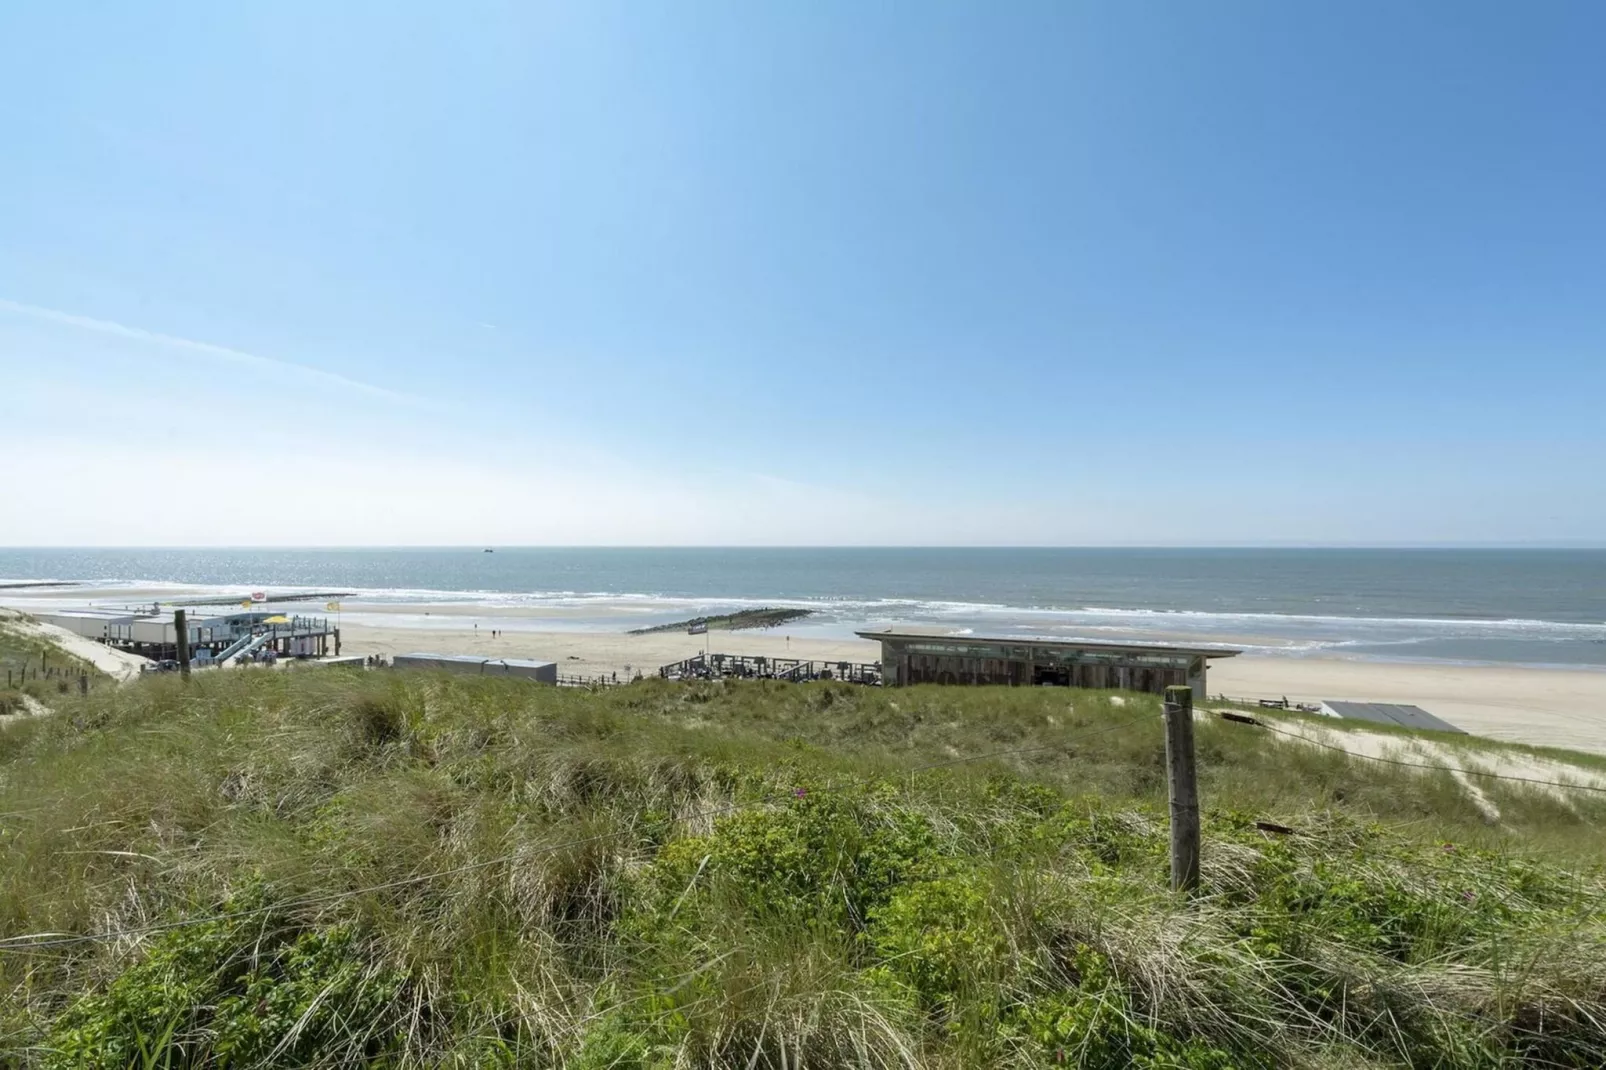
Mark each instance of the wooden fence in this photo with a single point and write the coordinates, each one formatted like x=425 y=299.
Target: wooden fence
x=735 y=666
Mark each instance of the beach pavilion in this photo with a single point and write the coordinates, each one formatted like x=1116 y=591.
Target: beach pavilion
x=916 y=658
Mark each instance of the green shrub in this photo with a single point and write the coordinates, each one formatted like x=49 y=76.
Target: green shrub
x=614 y=1043
x=1093 y=1026
x=816 y=858
x=941 y=938
x=752 y=876
x=236 y=992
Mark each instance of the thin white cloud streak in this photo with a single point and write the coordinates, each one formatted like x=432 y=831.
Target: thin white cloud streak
x=359 y=492
x=233 y=356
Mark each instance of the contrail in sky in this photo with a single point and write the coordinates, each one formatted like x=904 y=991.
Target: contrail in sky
x=233 y=356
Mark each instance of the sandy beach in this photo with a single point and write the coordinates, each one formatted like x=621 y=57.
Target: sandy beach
x=598 y=653
x=1545 y=707
x=1541 y=706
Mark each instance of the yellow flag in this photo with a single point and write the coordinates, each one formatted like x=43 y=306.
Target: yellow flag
x=333 y=607
x=246 y=604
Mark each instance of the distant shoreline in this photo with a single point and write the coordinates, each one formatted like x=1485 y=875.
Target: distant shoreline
x=1443 y=608
x=1555 y=646
x=1557 y=705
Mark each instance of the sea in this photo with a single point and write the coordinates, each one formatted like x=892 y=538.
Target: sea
x=1514 y=607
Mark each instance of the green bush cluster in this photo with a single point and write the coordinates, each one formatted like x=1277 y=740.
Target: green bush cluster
x=825 y=857
x=923 y=928
x=1094 y=1026
x=757 y=876
x=1421 y=907
x=236 y=992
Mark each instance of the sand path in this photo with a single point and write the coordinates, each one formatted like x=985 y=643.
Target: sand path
x=1545 y=707
x=1473 y=768
x=117 y=664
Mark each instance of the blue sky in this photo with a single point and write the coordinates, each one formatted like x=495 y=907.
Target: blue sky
x=805 y=273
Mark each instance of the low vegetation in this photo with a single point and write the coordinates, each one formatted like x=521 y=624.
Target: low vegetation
x=731 y=622
x=34 y=667
x=406 y=869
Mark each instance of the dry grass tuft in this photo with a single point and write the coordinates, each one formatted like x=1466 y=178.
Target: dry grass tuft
x=420 y=870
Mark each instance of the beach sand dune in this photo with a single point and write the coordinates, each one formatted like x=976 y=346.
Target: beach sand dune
x=1544 y=707
x=117 y=664
x=1540 y=706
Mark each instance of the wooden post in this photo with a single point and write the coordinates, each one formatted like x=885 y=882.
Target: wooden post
x=1183 y=785
x=181 y=630
x=83 y=683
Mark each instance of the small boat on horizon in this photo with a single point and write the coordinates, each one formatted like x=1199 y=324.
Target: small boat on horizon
x=488 y=550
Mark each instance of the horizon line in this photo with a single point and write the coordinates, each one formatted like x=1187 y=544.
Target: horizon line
x=480 y=546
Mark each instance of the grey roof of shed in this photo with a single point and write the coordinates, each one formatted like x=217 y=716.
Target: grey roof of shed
x=1060 y=644
x=475 y=659
x=1390 y=713
x=88 y=613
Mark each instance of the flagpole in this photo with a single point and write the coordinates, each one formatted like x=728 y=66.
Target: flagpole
x=327 y=606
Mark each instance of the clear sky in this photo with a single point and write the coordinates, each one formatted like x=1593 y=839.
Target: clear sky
x=735 y=272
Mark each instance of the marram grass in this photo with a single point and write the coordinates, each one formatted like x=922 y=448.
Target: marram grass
x=321 y=869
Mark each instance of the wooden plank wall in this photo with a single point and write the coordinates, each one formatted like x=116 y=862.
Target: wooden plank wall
x=946 y=669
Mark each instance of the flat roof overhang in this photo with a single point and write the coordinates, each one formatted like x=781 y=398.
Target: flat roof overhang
x=1061 y=645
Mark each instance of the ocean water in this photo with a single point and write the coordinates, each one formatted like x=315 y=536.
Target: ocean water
x=1544 y=607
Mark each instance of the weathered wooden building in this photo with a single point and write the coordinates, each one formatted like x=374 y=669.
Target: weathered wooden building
x=912 y=658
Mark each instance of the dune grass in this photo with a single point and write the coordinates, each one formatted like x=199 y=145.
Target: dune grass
x=31 y=665
x=400 y=869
